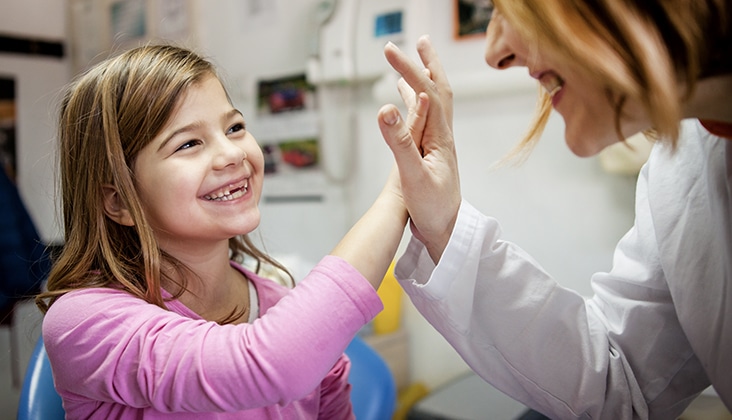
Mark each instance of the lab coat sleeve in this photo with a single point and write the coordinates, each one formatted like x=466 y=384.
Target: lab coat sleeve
x=109 y=346
x=540 y=343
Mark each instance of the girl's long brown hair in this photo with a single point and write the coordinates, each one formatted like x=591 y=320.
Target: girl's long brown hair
x=106 y=117
x=651 y=52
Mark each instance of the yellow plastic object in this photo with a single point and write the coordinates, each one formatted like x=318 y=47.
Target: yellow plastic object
x=387 y=321
x=408 y=397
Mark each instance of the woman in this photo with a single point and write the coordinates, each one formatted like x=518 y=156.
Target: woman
x=658 y=329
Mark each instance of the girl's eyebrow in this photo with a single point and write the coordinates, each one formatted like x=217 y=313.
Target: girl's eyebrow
x=186 y=128
x=232 y=113
x=196 y=125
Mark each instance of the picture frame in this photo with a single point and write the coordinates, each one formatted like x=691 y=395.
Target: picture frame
x=471 y=18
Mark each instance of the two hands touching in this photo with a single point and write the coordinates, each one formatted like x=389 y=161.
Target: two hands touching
x=424 y=186
x=423 y=146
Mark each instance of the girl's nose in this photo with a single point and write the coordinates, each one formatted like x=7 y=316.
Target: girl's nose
x=499 y=51
x=228 y=153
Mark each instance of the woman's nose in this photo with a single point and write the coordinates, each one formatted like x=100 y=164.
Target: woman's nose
x=499 y=52
x=228 y=153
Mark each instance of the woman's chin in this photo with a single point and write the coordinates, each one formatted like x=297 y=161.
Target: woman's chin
x=583 y=149
x=589 y=144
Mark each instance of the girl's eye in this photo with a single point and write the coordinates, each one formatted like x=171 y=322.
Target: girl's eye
x=188 y=145
x=236 y=128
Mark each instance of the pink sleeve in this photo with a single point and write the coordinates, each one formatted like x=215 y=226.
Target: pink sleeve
x=335 y=393
x=109 y=346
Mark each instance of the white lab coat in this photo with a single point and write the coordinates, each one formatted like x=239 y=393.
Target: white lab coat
x=658 y=329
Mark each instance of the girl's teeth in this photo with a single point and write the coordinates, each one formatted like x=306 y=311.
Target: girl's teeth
x=227 y=195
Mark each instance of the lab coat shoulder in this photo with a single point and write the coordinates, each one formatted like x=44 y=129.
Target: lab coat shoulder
x=690 y=202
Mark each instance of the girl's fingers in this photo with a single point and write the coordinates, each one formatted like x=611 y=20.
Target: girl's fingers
x=399 y=139
x=417 y=107
x=418 y=120
x=407 y=93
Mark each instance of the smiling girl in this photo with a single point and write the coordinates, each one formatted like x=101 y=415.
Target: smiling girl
x=658 y=329
x=149 y=313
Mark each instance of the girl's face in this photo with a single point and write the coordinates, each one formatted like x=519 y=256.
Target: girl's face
x=200 y=179
x=583 y=103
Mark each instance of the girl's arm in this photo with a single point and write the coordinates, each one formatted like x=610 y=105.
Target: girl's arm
x=370 y=245
x=107 y=346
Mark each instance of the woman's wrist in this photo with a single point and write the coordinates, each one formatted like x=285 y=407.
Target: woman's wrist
x=436 y=246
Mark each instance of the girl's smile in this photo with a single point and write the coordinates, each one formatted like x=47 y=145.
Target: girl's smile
x=230 y=192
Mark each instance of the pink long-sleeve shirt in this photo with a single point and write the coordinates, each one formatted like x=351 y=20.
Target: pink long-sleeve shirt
x=115 y=356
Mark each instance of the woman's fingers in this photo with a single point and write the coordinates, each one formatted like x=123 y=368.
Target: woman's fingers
x=431 y=61
x=436 y=73
x=430 y=80
x=408 y=69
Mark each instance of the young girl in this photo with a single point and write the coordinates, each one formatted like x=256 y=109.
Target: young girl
x=658 y=329
x=148 y=313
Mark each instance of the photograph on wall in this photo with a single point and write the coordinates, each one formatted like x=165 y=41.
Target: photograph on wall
x=286 y=115
x=7 y=126
x=288 y=155
x=285 y=94
x=472 y=17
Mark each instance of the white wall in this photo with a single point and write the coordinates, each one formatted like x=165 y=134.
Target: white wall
x=37 y=18
x=38 y=80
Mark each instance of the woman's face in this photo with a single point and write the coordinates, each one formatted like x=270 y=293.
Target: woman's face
x=583 y=103
x=200 y=178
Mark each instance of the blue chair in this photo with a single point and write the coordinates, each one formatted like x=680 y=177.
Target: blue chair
x=373 y=390
x=38 y=398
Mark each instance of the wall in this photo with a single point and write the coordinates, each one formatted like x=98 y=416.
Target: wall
x=38 y=83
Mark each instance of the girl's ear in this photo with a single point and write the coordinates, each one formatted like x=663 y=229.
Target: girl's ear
x=114 y=208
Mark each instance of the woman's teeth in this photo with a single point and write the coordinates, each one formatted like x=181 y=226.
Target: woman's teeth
x=552 y=83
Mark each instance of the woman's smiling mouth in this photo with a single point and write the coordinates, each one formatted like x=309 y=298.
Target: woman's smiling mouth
x=230 y=192
x=551 y=82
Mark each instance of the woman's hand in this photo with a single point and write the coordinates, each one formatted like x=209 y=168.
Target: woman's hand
x=423 y=146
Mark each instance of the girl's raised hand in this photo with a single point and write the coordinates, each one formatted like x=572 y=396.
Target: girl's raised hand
x=423 y=146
